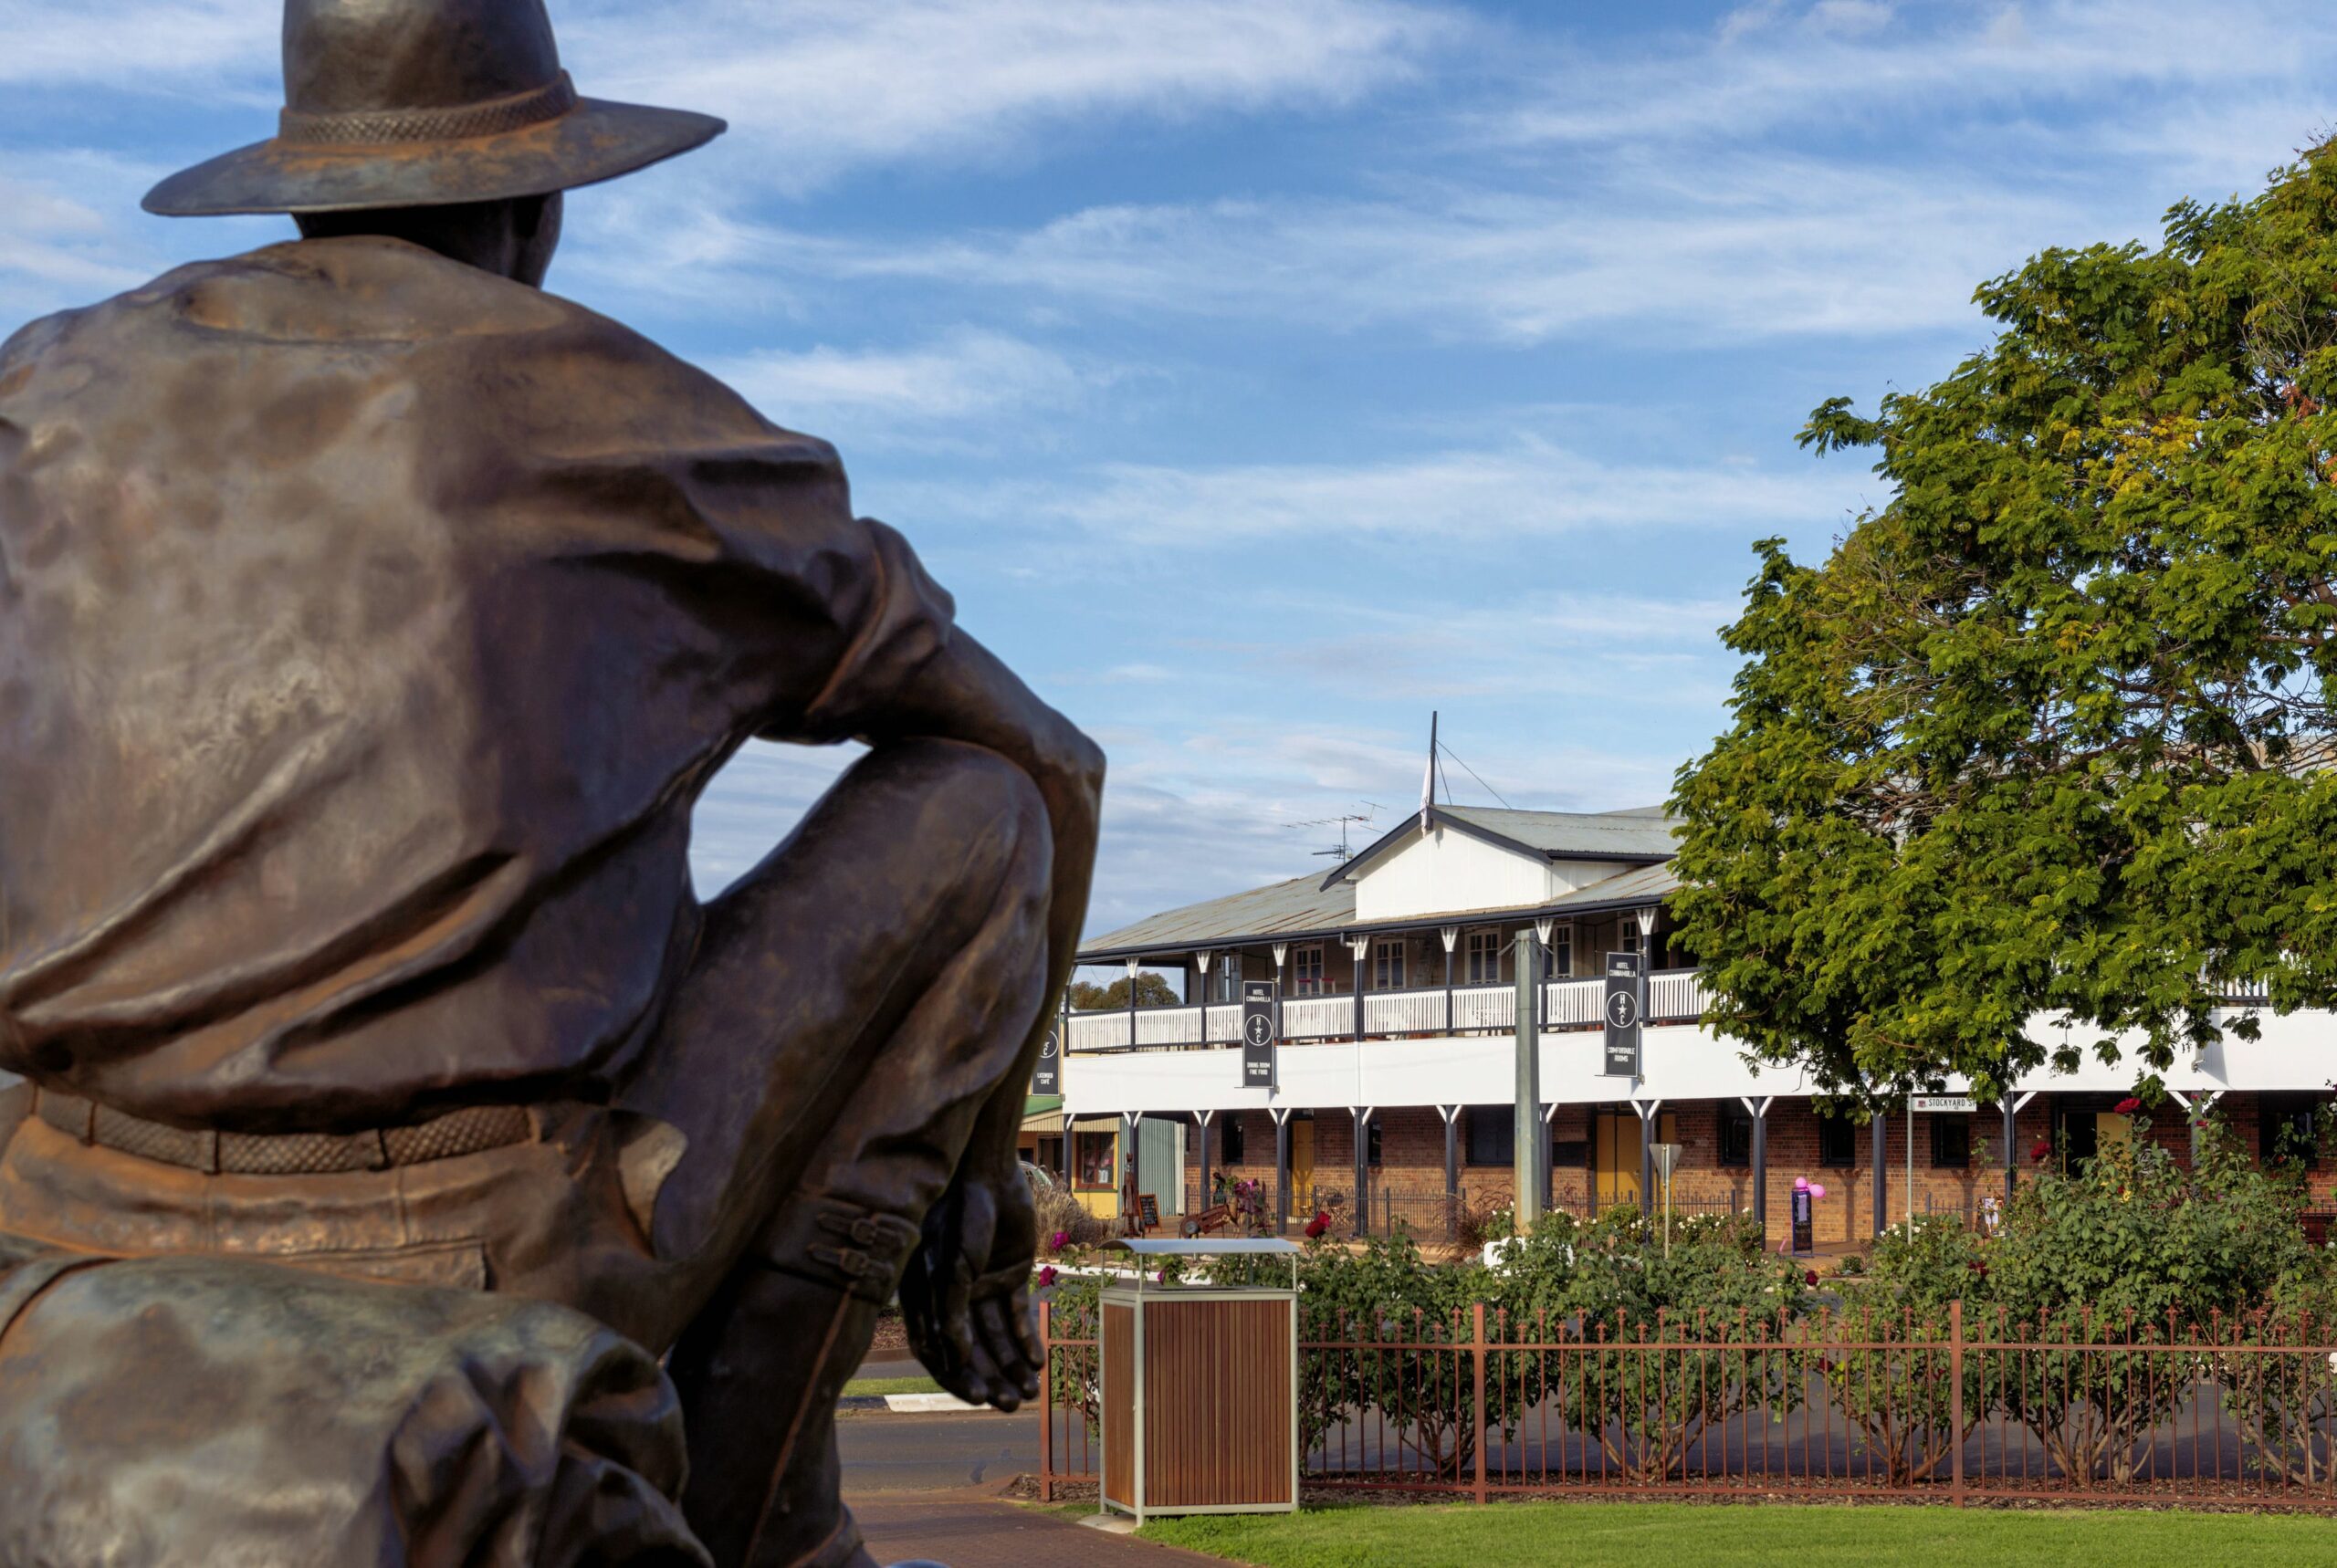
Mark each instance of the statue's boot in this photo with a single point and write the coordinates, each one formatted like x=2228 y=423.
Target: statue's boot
x=760 y=1372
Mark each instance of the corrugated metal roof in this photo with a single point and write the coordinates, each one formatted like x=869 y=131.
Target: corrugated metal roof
x=1279 y=908
x=1585 y=835
x=1646 y=882
x=1297 y=908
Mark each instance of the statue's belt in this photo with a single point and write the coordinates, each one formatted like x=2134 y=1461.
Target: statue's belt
x=472 y=1130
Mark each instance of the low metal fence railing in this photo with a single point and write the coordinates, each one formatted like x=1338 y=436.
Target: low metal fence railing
x=1840 y=1403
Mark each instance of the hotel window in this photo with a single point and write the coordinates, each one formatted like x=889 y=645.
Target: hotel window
x=1838 y=1142
x=2285 y=1129
x=1371 y=1143
x=1627 y=934
x=1229 y=977
x=1094 y=1164
x=1485 y=957
x=1306 y=970
x=1735 y=1134
x=1951 y=1141
x=1229 y=1145
x=1561 y=952
x=1492 y=1136
x=1387 y=965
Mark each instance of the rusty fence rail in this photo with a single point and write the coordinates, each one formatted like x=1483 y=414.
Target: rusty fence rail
x=1484 y=1404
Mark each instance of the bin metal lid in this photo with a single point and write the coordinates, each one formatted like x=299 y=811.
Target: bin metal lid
x=1203 y=1247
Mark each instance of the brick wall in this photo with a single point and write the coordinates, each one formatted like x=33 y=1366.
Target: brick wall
x=1412 y=1161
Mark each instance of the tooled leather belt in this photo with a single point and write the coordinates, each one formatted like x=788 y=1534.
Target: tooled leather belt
x=472 y=1130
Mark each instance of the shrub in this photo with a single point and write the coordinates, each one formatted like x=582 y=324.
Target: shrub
x=1719 y=1287
x=2121 y=1256
x=1883 y=1368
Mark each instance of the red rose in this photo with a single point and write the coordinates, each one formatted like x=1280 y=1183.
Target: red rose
x=2042 y=1147
x=2126 y=1107
x=1046 y=1276
x=1810 y=1277
x=1316 y=1226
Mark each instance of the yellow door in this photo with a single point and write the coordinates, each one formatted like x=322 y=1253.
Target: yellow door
x=1615 y=1153
x=1302 y=1162
x=2112 y=1131
x=1616 y=1156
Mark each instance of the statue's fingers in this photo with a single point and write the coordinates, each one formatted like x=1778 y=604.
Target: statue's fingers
x=1025 y=1318
x=957 y=1318
x=1004 y=1345
x=996 y=1388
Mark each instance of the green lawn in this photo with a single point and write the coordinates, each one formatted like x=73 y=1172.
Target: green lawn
x=1674 y=1535
x=881 y=1385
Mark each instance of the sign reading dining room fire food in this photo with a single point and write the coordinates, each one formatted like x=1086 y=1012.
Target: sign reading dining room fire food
x=1259 y=1034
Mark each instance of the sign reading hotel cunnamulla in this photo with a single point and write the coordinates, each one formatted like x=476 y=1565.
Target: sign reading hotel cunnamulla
x=1625 y=1004
x=1258 y=1034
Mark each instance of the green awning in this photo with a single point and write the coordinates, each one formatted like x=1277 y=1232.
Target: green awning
x=1040 y=1104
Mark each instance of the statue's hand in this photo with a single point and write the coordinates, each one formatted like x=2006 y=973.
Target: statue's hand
x=966 y=1295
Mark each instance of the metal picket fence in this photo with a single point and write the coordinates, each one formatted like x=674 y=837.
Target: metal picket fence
x=1483 y=1405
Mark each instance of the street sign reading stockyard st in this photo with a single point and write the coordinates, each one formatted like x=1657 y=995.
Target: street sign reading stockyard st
x=1623 y=1009
x=1258 y=1034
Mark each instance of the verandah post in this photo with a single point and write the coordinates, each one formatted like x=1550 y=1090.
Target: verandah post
x=1047 y=1402
x=1955 y=1400
x=1477 y=1355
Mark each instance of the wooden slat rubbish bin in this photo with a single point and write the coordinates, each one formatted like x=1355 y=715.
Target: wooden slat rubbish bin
x=1199 y=1388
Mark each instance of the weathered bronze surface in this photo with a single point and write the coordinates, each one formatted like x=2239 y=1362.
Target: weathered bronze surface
x=370 y=622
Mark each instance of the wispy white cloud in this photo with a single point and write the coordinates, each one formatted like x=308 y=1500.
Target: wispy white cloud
x=1527 y=488
x=66 y=237
x=139 y=46
x=816 y=86
x=964 y=382
x=1768 y=65
x=1735 y=248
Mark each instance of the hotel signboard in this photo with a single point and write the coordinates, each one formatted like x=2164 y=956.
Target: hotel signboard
x=1047 y=1077
x=1259 y=1034
x=1625 y=1004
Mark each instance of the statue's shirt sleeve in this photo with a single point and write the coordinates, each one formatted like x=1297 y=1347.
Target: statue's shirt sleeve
x=820 y=617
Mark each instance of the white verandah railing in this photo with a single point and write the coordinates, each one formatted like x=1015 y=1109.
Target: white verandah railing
x=1673 y=996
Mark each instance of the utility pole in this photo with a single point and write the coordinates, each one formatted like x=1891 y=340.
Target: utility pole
x=1531 y=1154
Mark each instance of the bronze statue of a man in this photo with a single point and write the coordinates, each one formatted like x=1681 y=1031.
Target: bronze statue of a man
x=370 y=623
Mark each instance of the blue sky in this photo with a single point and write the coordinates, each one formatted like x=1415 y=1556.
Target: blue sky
x=1261 y=374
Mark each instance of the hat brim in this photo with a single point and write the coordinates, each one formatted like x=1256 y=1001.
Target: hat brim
x=593 y=141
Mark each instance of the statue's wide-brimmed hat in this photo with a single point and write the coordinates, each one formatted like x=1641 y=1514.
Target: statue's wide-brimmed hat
x=422 y=103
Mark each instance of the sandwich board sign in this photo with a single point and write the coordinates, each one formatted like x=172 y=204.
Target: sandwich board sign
x=1260 y=1030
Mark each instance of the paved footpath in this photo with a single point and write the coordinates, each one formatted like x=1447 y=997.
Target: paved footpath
x=926 y=1486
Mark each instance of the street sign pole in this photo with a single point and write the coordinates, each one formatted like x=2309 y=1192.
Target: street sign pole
x=1529 y=1149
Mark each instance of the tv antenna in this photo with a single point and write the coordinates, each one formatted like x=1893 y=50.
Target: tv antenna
x=1340 y=850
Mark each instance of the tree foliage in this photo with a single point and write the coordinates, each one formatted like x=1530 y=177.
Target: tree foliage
x=1152 y=990
x=2048 y=733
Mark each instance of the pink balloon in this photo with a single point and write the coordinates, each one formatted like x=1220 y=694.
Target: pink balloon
x=1801 y=1184
x=1816 y=1191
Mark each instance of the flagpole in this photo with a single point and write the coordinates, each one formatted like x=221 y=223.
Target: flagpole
x=1428 y=776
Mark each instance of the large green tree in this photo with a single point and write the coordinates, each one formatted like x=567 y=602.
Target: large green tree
x=2049 y=733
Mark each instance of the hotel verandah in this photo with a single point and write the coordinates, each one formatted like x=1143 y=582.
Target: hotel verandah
x=1398 y=1018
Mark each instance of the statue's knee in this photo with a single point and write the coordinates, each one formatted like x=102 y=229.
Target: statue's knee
x=987 y=804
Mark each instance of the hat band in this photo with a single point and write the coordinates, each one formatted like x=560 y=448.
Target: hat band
x=372 y=128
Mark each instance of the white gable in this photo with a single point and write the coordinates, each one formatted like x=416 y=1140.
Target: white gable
x=1446 y=870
